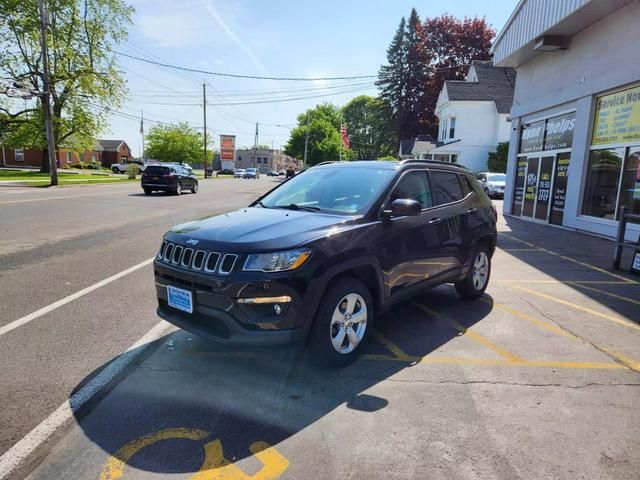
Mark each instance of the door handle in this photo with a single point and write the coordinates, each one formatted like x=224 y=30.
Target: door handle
x=435 y=221
x=471 y=210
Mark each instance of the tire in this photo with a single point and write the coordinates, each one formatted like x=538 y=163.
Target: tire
x=147 y=191
x=477 y=279
x=178 y=190
x=194 y=189
x=115 y=170
x=324 y=340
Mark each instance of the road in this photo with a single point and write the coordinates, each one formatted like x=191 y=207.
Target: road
x=55 y=242
x=539 y=379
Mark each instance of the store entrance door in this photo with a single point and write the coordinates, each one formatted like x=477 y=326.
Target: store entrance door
x=537 y=193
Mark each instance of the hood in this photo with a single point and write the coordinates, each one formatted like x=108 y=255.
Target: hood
x=255 y=229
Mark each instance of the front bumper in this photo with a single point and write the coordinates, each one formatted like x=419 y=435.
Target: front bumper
x=217 y=316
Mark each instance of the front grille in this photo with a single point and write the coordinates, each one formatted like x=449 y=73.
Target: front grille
x=203 y=260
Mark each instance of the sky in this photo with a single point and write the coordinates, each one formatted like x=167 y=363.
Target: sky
x=259 y=38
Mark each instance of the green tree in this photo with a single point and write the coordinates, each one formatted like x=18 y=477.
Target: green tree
x=84 y=77
x=497 y=161
x=323 y=125
x=401 y=81
x=175 y=143
x=370 y=133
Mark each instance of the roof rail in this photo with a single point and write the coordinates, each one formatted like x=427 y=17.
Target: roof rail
x=325 y=163
x=434 y=162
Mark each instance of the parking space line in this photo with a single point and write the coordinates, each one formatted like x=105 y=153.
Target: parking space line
x=395 y=349
x=611 y=318
x=569 y=259
x=556 y=282
x=603 y=292
x=510 y=357
x=535 y=321
x=518 y=249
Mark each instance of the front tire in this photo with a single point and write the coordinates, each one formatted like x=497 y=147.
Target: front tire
x=477 y=279
x=194 y=189
x=342 y=323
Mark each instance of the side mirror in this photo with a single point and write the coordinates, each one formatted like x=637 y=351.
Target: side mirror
x=403 y=207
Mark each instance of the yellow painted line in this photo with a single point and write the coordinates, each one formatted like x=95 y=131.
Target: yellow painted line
x=612 y=318
x=612 y=295
x=45 y=199
x=569 y=259
x=216 y=467
x=395 y=349
x=519 y=249
x=574 y=365
x=533 y=320
x=114 y=467
x=510 y=357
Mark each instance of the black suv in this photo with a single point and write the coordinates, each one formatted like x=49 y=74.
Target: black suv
x=317 y=257
x=168 y=178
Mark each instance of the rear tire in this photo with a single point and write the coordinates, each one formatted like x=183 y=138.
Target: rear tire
x=178 y=190
x=477 y=279
x=342 y=323
x=147 y=191
x=194 y=189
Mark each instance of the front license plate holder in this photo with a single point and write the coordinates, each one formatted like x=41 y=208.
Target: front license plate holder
x=180 y=299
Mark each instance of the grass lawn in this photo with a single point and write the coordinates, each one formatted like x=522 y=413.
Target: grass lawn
x=64 y=178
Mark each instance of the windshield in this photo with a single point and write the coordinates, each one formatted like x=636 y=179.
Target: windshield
x=497 y=177
x=344 y=190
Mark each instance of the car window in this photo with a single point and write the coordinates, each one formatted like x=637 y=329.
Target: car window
x=465 y=182
x=414 y=186
x=446 y=187
x=482 y=176
x=154 y=170
x=347 y=190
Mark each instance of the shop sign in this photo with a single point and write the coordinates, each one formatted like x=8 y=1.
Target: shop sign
x=227 y=147
x=532 y=137
x=559 y=132
x=617 y=118
x=560 y=189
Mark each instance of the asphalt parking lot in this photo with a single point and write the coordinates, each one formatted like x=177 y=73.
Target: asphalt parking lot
x=538 y=379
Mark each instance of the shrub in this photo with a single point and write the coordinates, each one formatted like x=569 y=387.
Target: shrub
x=132 y=170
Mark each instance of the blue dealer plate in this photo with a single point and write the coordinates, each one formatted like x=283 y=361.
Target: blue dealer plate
x=180 y=299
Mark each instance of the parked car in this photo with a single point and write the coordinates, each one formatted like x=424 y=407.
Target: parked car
x=318 y=257
x=282 y=173
x=239 y=173
x=493 y=183
x=168 y=178
x=272 y=173
x=122 y=166
x=252 y=173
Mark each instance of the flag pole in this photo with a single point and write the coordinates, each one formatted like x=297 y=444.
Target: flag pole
x=341 y=141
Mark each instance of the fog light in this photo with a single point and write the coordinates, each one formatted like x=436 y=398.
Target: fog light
x=277 y=308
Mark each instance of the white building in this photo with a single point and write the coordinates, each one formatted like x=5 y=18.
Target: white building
x=474 y=115
x=574 y=153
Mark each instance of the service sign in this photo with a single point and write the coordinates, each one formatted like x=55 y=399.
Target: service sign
x=227 y=147
x=559 y=132
x=532 y=137
x=617 y=118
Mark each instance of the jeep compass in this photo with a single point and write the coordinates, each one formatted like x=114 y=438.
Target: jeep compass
x=317 y=258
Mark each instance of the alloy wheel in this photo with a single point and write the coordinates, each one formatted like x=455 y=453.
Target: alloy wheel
x=348 y=323
x=480 y=270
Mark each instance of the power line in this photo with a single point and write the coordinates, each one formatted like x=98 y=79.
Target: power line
x=233 y=75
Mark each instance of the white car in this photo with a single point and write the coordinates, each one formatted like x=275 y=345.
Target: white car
x=493 y=183
x=239 y=173
x=122 y=167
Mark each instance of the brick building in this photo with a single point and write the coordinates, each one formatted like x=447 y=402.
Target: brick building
x=264 y=159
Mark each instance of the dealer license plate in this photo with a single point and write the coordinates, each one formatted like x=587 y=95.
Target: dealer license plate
x=180 y=299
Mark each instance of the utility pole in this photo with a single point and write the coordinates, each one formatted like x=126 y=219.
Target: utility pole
x=142 y=133
x=45 y=94
x=255 y=147
x=204 y=136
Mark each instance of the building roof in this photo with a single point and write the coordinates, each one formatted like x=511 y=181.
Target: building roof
x=416 y=146
x=494 y=84
x=110 y=145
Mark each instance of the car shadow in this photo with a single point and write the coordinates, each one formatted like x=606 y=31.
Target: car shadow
x=579 y=261
x=243 y=396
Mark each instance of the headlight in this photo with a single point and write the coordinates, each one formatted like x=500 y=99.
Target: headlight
x=276 y=261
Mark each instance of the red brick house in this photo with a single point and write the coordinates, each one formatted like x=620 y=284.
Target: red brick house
x=106 y=152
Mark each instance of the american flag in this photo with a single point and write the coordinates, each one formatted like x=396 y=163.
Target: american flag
x=345 y=136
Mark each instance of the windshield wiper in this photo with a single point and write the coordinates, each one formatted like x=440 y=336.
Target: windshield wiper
x=261 y=204
x=295 y=206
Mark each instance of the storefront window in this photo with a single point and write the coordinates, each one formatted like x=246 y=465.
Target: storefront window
x=630 y=189
x=603 y=177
